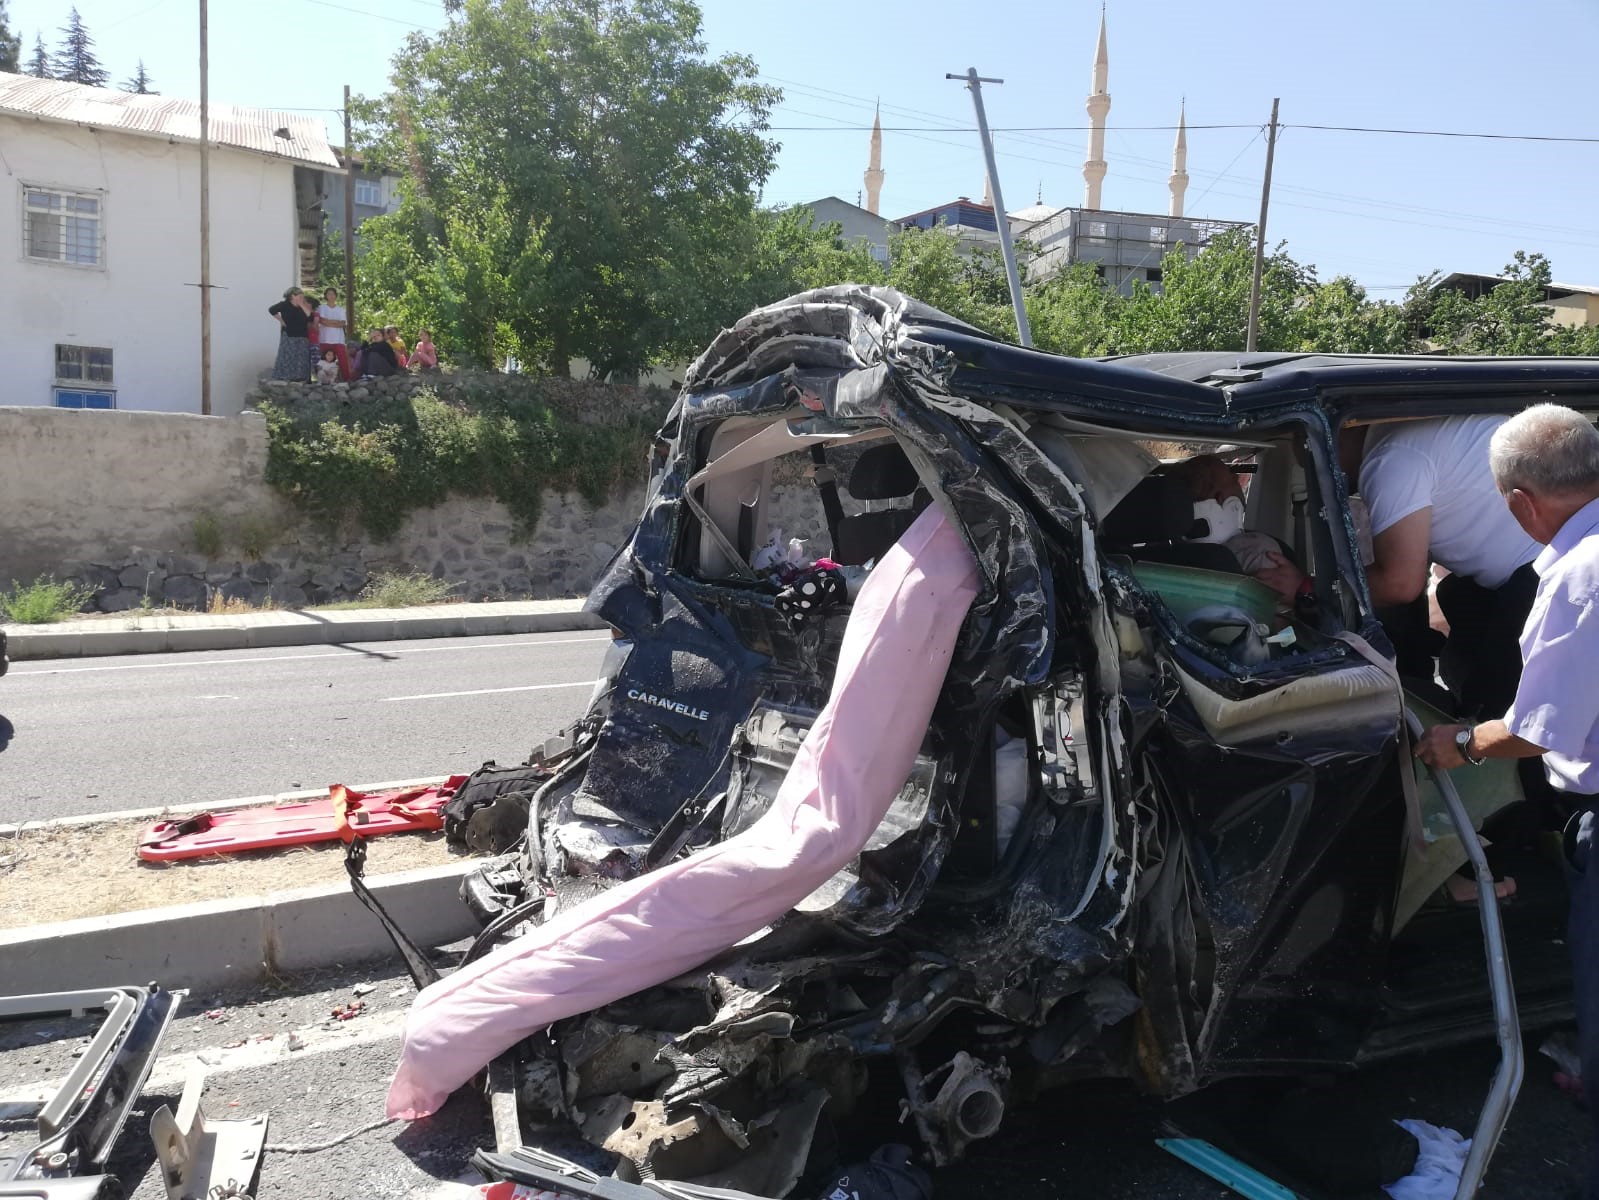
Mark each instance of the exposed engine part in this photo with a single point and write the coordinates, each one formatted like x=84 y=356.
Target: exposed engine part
x=967 y=1105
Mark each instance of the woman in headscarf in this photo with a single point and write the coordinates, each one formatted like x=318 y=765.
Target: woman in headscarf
x=294 y=314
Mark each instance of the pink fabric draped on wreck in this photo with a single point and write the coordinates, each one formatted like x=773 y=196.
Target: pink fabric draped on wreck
x=857 y=756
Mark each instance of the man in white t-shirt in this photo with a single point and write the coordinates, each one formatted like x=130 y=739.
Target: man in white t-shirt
x=1432 y=499
x=331 y=320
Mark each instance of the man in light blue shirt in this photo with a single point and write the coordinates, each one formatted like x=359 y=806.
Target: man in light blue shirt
x=1546 y=465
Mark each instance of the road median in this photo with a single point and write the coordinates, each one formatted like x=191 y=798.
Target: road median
x=239 y=940
x=135 y=633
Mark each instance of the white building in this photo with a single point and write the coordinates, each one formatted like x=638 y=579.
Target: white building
x=103 y=307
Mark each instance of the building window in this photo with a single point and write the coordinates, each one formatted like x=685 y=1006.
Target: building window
x=1154 y=274
x=77 y=398
x=369 y=192
x=1097 y=229
x=83 y=364
x=62 y=227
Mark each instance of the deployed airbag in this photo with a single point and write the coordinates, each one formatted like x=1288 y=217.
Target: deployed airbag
x=853 y=762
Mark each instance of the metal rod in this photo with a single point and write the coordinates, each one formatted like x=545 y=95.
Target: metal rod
x=1260 y=235
x=1507 y=1026
x=974 y=83
x=349 y=226
x=205 y=215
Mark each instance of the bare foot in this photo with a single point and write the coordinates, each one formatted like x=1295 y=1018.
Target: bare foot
x=1461 y=890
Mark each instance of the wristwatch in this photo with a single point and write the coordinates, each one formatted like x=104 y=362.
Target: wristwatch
x=1463 y=744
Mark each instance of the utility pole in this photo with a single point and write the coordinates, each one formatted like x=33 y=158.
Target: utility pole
x=974 y=82
x=1260 y=235
x=349 y=225
x=205 y=217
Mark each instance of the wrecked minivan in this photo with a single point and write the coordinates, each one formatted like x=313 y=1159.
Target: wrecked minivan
x=1164 y=825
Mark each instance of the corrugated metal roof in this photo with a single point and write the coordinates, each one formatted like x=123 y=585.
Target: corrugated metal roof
x=293 y=136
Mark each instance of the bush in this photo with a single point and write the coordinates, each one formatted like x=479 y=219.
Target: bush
x=402 y=589
x=207 y=534
x=42 y=601
x=257 y=535
x=376 y=462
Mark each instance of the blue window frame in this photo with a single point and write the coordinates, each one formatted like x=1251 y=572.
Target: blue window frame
x=75 y=398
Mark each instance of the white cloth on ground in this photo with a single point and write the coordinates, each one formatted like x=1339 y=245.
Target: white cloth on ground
x=1441 y=1158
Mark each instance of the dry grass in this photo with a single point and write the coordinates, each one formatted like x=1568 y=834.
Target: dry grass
x=222 y=606
x=58 y=874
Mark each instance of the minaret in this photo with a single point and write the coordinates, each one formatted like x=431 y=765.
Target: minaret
x=874 y=168
x=1098 y=109
x=1178 y=180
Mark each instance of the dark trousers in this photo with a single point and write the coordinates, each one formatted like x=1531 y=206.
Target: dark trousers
x=1582 y=938
x=1481 y=662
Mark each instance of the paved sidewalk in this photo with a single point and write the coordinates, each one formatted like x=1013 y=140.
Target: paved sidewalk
x=135 y=633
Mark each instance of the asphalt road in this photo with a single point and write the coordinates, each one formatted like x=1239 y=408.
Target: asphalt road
x=102 y=735
x=1086 y=1140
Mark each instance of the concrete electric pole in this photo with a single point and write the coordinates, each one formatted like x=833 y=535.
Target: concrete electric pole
x=349 y=224
x=1260 y=235
x=974 y=83
x=205 y=217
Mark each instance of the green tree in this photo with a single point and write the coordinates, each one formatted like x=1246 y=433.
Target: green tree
x=1511 y=318
x=10 y=44
x=39 y=60
x=1204 y=301
x=1075 y=313
x=460 y=273
x=612 y=164
x=75 y=60
x=929 y=265
x=139 y=84
x=1337 y=318
x=792 y=254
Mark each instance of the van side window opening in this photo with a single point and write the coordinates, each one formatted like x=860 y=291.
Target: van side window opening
x=767 y=494
x=1206 y=528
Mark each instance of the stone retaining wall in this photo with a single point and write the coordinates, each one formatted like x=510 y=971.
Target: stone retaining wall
x=170 y=509
x=129 y=503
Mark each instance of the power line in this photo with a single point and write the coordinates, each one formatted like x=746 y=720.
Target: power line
x=1450 y=133
x=847 y=100
x=367 y=12
x=1007 y=128
x=1440 y=133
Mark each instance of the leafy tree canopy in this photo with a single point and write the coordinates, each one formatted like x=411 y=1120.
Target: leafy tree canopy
x=583 y=181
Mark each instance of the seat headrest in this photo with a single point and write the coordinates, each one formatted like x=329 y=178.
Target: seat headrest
x=882 y=473
x=1159 y=509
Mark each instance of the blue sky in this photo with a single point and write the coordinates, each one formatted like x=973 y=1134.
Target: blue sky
x=1381 y=208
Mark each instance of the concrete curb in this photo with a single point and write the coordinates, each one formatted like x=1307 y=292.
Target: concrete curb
x=240 y=940
x=136 y=634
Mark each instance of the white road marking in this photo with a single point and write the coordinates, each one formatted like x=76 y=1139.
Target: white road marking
x=350 y=654
x=531 y=687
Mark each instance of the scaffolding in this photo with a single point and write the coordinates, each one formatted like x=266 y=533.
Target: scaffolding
x=1125 y=247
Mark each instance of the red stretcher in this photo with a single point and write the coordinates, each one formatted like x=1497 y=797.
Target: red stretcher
x=343 y=815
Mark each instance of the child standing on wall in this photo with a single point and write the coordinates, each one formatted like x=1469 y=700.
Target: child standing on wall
x=327 y=371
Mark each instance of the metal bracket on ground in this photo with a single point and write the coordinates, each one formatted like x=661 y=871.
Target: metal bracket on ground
x=201 y=1158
